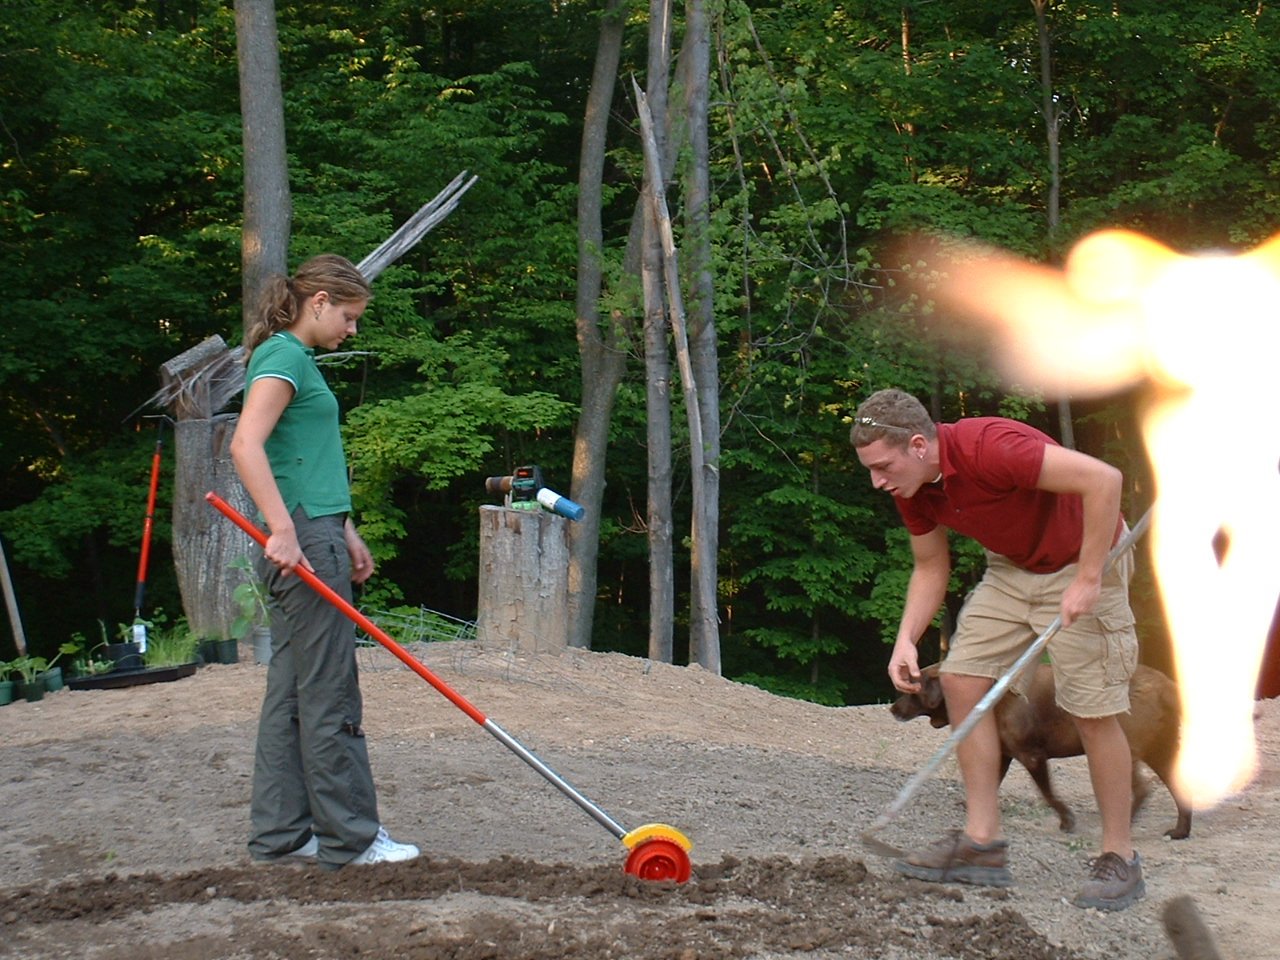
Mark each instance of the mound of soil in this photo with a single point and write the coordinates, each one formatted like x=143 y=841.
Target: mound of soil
x=125 y=815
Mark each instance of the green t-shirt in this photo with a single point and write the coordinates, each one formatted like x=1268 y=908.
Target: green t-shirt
x=305 y=448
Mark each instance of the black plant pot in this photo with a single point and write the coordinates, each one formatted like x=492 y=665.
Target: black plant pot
x=229 y=651
x=125 y=656
x=32 y=691
x=207 y=651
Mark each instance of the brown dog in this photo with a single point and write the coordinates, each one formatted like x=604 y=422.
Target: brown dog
x=1034 y=730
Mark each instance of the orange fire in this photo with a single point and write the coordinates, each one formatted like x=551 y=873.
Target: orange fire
x=1203 y=333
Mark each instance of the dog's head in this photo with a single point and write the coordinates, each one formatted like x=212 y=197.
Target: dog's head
x=928 y=702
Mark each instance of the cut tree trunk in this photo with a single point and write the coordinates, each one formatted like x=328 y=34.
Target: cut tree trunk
x=204 y=544
x=524 y=579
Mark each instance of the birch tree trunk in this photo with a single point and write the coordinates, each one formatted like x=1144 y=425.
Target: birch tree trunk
x=599 y=348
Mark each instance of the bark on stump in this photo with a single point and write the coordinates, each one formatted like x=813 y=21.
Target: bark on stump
x=524 y=579
x=205 y=542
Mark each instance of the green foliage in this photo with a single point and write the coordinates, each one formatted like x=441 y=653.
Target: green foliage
x=120 y=213
x=83 y=662
x=28 y=668
x=443 y=425
x=100 y=491
x=170 y=646
x=884 y=603
x=829 y=692
x=251 y=599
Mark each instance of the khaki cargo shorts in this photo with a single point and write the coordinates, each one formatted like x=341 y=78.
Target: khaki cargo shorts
x=1092 y=659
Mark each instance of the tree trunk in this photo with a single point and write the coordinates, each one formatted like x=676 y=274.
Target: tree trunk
x=267 y=212
x=204 y=544
x=11 y=605
x=657 y=365
x=704 y=630
x=908 y=127
x=603 y=357
x=657 y=362
x=524 y=563
x=1052 y=116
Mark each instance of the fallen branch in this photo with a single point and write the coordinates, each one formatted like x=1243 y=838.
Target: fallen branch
x=416 y=227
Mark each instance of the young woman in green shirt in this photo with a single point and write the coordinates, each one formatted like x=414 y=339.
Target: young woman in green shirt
x=313 y=792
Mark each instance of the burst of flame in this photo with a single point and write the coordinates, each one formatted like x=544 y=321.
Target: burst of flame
x=1203 y=332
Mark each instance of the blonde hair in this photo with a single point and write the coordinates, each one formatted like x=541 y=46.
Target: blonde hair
x=282 y=297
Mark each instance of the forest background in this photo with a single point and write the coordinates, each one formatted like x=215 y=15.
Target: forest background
x=835 y=130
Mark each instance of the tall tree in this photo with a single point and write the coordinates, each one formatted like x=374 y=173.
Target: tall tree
x=1051 y=113
x=204 y=545
x=601 y=345
x=267 y=209
x=657 y=363
x=704 y=633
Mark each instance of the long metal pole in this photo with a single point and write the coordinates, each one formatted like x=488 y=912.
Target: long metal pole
x=11 y=601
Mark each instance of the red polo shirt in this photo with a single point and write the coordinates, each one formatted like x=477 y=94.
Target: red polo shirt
x=990 y=467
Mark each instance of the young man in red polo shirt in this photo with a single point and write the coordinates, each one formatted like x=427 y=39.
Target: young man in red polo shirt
x=1047 y=517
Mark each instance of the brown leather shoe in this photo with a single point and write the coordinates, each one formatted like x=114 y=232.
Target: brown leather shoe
x=956 y=858
x=1114 y=883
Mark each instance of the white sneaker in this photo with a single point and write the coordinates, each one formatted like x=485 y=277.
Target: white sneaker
x=307 y=851
x=385 y=850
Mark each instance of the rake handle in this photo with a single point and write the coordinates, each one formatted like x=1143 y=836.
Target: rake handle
x=143 y=558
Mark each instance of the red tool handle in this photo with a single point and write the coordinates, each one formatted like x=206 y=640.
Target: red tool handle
x=354 y=615
x=141 y=586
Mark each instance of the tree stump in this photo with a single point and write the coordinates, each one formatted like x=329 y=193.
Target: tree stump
x=524 y=579
x=204 y=542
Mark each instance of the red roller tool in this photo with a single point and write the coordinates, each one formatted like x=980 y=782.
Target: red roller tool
x=657 y=851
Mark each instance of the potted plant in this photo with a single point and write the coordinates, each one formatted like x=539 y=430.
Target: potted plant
x=52 y=675
x=174 y=647
x=84 y=663
x=30 y=670
x=253 y=617
x=126 y=653
x=6 y=685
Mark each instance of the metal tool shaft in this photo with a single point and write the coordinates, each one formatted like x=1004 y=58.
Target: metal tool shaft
x=598 y=815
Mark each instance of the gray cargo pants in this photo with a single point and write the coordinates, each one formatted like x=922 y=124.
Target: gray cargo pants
x=311 y=767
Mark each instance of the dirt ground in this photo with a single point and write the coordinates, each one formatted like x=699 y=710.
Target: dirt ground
x=123 y=816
